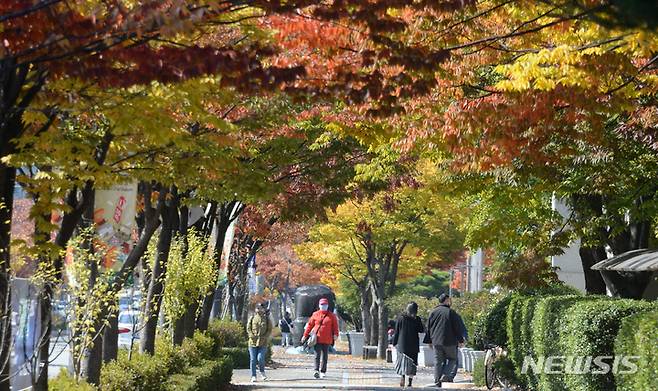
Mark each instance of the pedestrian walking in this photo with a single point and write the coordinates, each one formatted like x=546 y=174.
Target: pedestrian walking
x=259 y=330
x=464 y=333
x=443 y=333
x=405 y=339
x=286 y=326
x=321 y=332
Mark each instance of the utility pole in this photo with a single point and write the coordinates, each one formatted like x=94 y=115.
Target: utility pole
x=452 y=277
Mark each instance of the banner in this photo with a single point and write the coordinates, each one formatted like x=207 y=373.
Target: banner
x=114 y=217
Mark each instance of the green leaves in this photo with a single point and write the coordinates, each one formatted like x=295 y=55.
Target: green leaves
x=191 y=273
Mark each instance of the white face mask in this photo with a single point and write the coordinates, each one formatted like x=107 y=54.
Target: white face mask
x=324 y=307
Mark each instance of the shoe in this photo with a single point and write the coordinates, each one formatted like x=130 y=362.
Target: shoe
x=316 y=375
x=438 y=384
x=263 y=375
x=322 y=375
x=410 y=380
x=253 y=379
x=402 y=382
x=448 y=380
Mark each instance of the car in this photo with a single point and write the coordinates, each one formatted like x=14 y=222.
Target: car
x=129 y=327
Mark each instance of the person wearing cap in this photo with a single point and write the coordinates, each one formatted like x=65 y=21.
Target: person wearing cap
x=325 y=324
x=444 y=333
x=259 y=330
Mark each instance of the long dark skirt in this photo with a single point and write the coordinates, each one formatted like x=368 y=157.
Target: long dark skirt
x=406 y=364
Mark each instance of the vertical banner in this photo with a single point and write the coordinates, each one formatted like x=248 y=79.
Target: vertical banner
x=114 y=217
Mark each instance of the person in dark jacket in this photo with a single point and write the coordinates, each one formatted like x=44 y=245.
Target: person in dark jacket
x=443 y=333
x=464 y=334
x=285 y=324
x=405 y=339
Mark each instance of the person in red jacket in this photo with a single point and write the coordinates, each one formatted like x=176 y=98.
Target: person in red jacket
x=325 y=324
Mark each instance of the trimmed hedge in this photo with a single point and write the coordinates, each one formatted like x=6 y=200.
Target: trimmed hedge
x=211 y=375
x=547 y=324
x=555 y=322
x=142 y=372
x=519 y=335
x=490 y=327
x=191 y=365
x=239 y=356
x=638 y=336
x=200 y=347
x=228 y=334
x=65 y=382
x=591 y=329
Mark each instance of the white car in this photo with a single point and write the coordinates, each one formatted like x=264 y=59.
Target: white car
x=129 y=327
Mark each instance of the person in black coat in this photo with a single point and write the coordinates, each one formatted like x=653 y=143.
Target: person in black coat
x=405 y=339
x=444 y=333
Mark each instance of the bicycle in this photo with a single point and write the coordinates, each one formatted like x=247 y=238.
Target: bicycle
x=491 y=377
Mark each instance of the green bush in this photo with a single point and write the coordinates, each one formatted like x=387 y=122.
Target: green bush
x=200 y=347
x=514 y=324
x=520 y=331
x=227 y=333
x=65 y=382
x=142 y=373
x=238 y=356
x=471 y=306
x=490 y=327
x=591 y=329
x=211 y=375
x=548 y=324
x=638 y=336
x=478 y=372
x=397 y=304
x=172 y=356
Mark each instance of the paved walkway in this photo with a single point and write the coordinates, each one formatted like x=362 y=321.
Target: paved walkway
x=295 y=372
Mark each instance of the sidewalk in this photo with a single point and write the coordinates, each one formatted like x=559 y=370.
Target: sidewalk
x=295 y=372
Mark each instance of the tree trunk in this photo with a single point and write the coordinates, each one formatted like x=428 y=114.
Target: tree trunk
x=111 y=338
x=94 y=353
x=589 y=256
x=366 y=319
x=189 y=320
x=206 y=309
x=156 y=286
x=383 y=330
x=19 y=85
x=374 y=324
x=225 y=217
x=45 y=309
x=178 y=334
x=218 y=302
x=7 y=177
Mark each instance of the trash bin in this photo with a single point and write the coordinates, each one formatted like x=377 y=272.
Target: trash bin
x=355 y=340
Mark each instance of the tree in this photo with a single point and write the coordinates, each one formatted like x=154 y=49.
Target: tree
x=107 y=44
x=542 y=106
x=376 y=240
x=280 y=266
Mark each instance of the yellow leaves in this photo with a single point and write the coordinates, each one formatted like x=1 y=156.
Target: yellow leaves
x=545 y=70
x=641 y=44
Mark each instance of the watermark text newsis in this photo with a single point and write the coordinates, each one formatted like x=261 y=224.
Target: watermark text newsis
x=598 y=365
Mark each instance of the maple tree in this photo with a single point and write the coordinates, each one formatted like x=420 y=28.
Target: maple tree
x=376 y=240
x=539 y=98
x=105 y=45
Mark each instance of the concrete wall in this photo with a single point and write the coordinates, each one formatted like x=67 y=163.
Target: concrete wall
x=570 y=267
x=475 y=267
